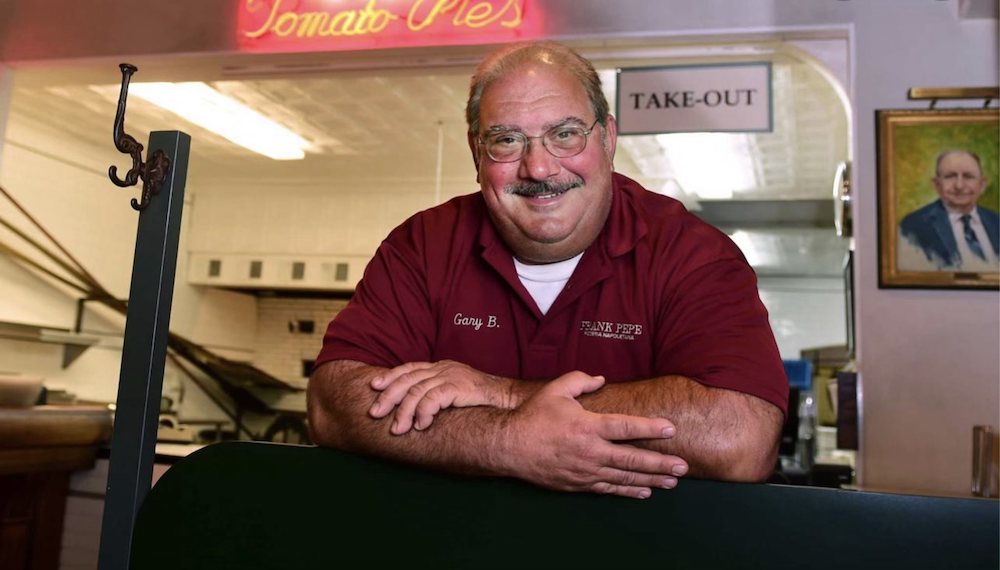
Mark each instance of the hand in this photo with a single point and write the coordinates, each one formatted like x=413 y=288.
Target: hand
x=419 y=390
x=554 y=442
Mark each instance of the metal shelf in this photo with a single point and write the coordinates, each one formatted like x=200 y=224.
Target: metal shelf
x=74 y=343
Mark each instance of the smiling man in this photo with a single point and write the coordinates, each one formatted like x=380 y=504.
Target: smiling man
x=563 y=325
x=954 y=232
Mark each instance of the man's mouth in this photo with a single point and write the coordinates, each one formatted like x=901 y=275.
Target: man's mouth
x=542 y=190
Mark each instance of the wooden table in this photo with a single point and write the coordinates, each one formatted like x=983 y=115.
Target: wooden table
x=39 y=448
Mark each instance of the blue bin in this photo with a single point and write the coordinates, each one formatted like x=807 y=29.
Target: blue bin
x=799 y=373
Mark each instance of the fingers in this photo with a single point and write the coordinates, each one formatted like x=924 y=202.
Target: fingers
x=574 y=384
x=635 y=491
x=435 y=400
x=643 y=463
x=413 y=393
x=394 y=385
x=637 y=478
x=634 y=472
x=621 y=427
x=420 y=403
x=389 y=376
x=631 y=479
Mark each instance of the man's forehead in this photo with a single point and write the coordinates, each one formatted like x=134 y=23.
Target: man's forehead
x=532 y=80
x=958 y=161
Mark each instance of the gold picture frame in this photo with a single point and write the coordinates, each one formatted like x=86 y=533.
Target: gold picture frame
x=917 y=246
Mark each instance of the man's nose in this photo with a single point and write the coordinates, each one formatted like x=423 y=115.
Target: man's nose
x=537 y=163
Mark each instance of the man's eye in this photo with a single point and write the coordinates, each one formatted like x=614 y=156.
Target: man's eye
x=564 y=134
x=505 y=140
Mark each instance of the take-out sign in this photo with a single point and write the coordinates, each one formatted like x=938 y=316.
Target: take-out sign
x=714 y=98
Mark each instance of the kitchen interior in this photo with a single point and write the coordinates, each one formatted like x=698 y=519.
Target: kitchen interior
x=272 y=246
x=278 y=244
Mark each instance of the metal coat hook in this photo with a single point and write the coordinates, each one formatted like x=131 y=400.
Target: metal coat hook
x=152 y=173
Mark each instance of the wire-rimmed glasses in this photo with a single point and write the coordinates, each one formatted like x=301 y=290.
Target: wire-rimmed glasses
x=562 y=141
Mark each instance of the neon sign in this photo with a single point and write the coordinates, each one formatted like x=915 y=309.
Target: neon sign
x=331 y=25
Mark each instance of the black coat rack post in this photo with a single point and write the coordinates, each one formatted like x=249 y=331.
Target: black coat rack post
x=146 y=329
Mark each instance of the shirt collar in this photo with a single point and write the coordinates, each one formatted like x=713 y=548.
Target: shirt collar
x=956 y=217
x=626 y=225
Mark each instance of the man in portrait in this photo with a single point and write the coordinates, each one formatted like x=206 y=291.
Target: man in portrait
x=953 y=233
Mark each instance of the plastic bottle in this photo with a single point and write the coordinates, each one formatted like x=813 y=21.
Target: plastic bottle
x=806 y=447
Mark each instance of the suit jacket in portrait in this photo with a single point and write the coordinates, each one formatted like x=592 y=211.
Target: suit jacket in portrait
x=929 y=229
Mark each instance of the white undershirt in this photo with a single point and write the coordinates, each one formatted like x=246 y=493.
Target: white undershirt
x=544 y=282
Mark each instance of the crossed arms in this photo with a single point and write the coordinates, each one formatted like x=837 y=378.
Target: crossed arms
x=574 y=433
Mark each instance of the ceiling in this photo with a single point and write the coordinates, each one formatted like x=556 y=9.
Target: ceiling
x=408 y=124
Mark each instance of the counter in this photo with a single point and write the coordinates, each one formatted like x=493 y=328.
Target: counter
x=39 y=448
x=266 y=505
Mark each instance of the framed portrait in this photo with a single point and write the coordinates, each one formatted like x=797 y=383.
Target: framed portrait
x=938 y=198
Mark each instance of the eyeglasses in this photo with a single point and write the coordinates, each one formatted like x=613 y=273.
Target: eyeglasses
x=562 y=141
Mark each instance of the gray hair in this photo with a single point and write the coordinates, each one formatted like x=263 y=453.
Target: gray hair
x=501 y=62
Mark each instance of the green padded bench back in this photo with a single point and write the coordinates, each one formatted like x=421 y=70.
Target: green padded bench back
x=255 y=505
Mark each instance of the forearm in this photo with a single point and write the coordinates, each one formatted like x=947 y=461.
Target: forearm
x=722 y=434
x=547 y=438
x=466 y=440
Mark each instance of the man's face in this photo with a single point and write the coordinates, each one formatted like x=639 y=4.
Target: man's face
x=544 y=224
x=959 y=181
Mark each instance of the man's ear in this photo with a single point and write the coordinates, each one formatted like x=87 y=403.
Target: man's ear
x=474 y=147
x=611 y=137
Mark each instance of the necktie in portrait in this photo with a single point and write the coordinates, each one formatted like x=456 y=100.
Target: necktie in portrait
x=970 y=237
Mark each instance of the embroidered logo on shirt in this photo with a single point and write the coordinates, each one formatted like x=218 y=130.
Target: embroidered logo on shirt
x=476 y=323
x=608 y=329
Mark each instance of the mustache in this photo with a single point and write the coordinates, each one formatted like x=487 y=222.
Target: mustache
x=532 y=189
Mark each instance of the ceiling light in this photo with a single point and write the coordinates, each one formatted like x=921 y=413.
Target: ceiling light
x=201 y=105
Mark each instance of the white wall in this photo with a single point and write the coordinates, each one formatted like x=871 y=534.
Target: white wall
x=929 y=359
x=64 y=185
x=305 y=220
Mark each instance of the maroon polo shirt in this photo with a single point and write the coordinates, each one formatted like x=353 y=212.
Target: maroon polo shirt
x=659 y=292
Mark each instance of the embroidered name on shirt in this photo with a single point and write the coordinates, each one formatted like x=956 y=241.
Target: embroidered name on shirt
x=607 y=329
x=476 y=323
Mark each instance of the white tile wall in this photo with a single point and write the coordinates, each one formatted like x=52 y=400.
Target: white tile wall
x=280 y=347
